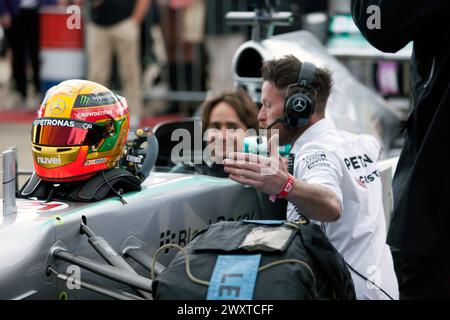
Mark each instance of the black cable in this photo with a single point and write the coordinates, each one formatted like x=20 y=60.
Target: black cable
x=119 y=195
x=322 y=225
x=359 y=274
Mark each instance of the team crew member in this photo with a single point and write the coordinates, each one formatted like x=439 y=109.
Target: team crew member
x=335 y=180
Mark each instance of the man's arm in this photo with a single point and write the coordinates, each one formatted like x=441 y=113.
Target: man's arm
x=402 y=21
x=140 y=10
x=317 y=199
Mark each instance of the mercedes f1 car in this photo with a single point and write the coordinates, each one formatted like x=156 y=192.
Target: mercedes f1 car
x=77 y=250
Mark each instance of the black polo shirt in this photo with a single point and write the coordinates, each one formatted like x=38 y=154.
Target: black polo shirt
x=110 y=12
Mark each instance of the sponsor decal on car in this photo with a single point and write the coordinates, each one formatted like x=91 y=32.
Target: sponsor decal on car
x=183 y=236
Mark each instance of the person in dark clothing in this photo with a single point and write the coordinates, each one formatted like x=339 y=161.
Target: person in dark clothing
x=20 y=19
x=419 y=228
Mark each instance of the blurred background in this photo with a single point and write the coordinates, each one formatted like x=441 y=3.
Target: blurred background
x=165 y=56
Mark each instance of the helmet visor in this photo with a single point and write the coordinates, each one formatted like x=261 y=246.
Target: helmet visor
x=66 y=132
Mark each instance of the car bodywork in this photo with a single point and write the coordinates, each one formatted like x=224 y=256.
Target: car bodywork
x=169 y=209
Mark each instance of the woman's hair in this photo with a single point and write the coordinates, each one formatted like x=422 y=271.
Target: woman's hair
x=240 y=101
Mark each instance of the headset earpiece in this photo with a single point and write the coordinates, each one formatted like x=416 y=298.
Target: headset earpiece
x=299 y=106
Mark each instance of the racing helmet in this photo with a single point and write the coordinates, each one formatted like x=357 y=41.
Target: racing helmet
x=81 y=129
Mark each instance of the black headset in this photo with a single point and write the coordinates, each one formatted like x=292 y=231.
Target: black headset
x=299 y=106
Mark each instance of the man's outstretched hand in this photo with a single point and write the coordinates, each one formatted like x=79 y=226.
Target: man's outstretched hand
x=268 y=174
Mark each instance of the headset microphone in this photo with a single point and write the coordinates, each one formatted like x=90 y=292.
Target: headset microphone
x=279 y=120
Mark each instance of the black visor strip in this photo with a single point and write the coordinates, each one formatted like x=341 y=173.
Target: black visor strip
x=59 y=122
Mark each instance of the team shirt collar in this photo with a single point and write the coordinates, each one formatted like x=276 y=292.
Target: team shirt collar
x=312 y=132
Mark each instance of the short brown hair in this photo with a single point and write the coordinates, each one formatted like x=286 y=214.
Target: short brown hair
x=240 y=101
x=284 y=72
